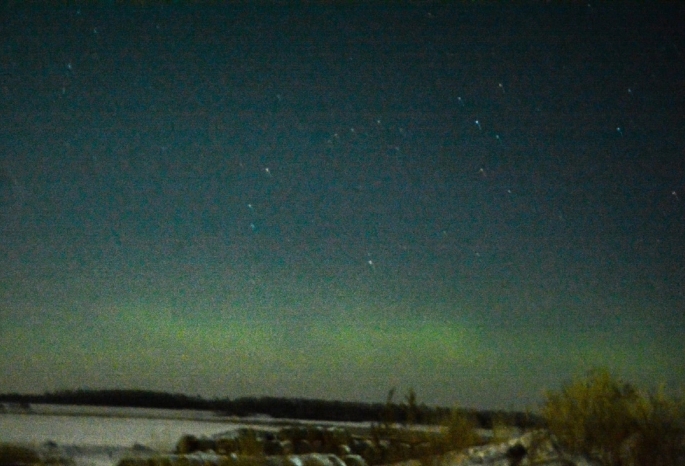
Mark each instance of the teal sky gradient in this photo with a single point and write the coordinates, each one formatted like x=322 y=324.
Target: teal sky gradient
x=474 y=201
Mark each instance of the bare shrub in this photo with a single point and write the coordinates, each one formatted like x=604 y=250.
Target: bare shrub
x=613 y=423
x=461 y=431
x=660 y=431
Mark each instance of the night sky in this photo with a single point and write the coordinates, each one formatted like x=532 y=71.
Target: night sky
x=474 y=200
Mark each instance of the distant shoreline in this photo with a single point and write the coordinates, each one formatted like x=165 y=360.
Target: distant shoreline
x=114 y=412
x=254 y=410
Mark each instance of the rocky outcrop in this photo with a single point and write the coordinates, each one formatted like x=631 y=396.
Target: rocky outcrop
x=298 y=441
x=533 y=448
x=317 y=447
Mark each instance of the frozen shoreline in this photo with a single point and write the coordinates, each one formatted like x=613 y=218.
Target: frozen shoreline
x=256 y=421
x=101 y=436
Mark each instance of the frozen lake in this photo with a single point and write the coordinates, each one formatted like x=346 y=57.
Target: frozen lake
x=159 y=434
x=100 y=436
x=154 y=428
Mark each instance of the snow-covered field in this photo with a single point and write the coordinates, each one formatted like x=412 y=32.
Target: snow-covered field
x=100 y=436
x=105 y=431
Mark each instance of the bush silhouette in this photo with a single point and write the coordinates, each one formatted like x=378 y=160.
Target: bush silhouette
x=660 y=431
x=16 y=455
x=613 y=423
x=461 y=431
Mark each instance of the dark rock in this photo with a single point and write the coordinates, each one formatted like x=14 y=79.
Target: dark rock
x=187 y=444
x=516 y=453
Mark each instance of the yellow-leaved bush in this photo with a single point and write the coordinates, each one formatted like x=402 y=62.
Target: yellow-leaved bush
x=615 y=424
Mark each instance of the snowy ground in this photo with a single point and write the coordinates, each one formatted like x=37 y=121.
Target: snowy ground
x=100 y=436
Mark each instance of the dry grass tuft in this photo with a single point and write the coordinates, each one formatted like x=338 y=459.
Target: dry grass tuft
x=461 y=431
x=15 y=455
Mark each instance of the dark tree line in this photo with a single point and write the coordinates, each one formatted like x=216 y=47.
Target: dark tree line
x=116 y=398
x=408 y=412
